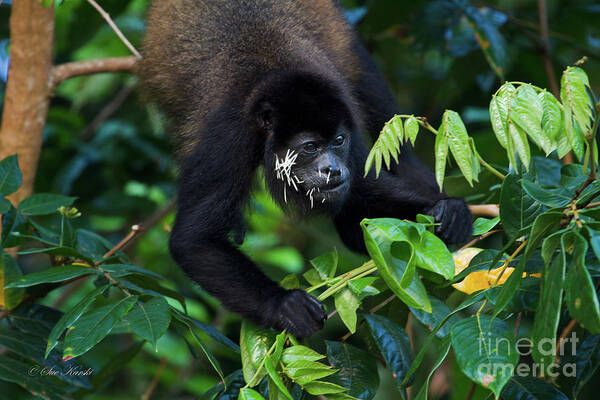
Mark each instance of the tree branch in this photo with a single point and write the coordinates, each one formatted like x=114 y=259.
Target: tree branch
x=78 y=68
x=485 y=210
x=114 y=27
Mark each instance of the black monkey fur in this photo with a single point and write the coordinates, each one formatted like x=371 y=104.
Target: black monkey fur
x=243 y=82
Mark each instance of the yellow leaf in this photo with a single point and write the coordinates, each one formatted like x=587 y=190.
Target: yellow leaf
x=478 y=280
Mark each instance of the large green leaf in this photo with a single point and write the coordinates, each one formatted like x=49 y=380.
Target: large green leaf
x=255 y=344
x=547 y=314
x=10 y=175
x=393 y=345
x=44 y=203
x=275 y=378
x=93 y=326
x=71 y=316
x=485 y=350
x=9 y=272
x=357 y=369
x=150 y=320
x=12 y=370
x=577 y=103
x=581 y=296
x=300 y=353
x=531 y=388
x=391 y=268
x=557 y=197
x=249 y=394
x=53 y=274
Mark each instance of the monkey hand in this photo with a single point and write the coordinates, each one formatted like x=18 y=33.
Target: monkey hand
x=454 y=218
x=299 y=313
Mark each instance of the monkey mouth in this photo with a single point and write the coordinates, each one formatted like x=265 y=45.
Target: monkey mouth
x=334 y=186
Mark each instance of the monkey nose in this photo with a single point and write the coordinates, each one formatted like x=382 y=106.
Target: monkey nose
x=331 y=171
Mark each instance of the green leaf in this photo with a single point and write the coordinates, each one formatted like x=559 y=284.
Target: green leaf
x=386 y=145
x=317 y=388
x=552 y=118
x=484 y=225
x=4 y=205
x=275 y=378
x=249 y=394
x=485 y=350
x=499 y=107
x=326 y=264
x=93 y=326
x=120 y=270
x=300 y=353
x=547 y=314
x=526 y=112
x=454 y=130
x=553 y=198
x=346 y=303
x=71 y=316
x=587 y=361
x=53 y=274
x=150 y=320
x=517 y=209
x=357 y=369
x=10 y=176
x=581 y=296
x=518 y=139
x=411 y=129
x=578 y=106
x=393 y=344
x=531 y=388
x=441 y=157
x=44 y=203
x=445 y=349
x=18 y=372
x=9 y=272
x=255 y=344
x=391 y=268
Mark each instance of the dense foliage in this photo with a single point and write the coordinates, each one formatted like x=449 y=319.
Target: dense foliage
x=86 y=314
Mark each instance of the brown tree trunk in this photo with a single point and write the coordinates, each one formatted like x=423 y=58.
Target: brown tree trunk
x=27 y=92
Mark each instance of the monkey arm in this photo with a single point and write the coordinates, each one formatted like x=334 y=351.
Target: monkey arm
x=214 y=184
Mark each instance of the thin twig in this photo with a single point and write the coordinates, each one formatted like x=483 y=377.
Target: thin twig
x=480 y=238
x=518 y=324
x=150 y=222
x=154 y=383
x=545 y=47
x=471 y=391
x=135 y=230
x=69 y=70
x=114 y=27
x=568 y=329
x=107 y=111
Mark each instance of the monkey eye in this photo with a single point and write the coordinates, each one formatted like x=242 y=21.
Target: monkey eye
x=310 y=147
x=339 y=141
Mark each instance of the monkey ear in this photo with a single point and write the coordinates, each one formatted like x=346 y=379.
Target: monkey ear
x=265 y=117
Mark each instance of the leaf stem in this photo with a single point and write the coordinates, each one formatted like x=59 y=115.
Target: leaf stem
x=365 y=269
x=490 y=168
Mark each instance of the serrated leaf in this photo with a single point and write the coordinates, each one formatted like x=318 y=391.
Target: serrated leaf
x=577 y=104
x=458 y=142
x=441 y=157
x=518 y=139
x=93 y=326
x=411 y=129
x=552 y=118
x=526 y=112
x=499 y=106
x=300 y=353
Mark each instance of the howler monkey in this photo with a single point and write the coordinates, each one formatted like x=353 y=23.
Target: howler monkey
x=284 y=84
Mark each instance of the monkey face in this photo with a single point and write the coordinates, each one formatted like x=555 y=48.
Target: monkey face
x=312 y=170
